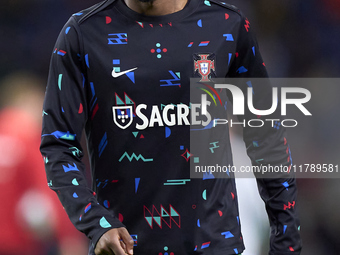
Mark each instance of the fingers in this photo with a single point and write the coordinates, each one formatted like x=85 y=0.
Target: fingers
x=127 y=240
x=115 y=242
x=103 y=251
x=123 y=245
x=117 y=248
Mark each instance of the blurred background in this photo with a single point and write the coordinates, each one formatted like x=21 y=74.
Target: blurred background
x=297 y=38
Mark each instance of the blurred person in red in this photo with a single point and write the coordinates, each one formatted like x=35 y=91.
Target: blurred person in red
x=31 y=219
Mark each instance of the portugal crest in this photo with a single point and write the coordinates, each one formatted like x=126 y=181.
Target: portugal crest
x=204 y=65
x=122 y=116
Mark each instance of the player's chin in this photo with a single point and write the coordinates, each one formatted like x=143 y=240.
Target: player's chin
x=145 y=1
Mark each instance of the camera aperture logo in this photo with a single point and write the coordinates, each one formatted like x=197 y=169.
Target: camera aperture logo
x=239 y=104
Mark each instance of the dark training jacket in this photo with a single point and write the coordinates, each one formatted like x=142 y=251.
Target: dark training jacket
x=125 y=78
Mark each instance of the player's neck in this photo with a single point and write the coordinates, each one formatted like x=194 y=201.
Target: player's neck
x=156 y=7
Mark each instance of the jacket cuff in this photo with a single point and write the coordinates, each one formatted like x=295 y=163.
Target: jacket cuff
x=114 y=223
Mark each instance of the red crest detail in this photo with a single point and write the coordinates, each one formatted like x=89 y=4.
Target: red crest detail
x=204 y=66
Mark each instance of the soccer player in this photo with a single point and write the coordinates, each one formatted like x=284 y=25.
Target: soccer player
x=121 y=70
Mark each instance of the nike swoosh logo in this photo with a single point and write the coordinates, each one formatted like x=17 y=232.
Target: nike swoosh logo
x=115 y=75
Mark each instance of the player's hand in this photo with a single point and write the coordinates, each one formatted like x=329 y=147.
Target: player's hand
x=116 y=241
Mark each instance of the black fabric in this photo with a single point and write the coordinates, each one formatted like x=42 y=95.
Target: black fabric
x=135 y=165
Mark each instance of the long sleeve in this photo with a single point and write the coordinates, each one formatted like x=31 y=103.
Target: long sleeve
x=65 y=114
x=267 y=146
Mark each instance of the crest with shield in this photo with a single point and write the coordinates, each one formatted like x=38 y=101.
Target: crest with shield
x=122 y=116
x=204 y=65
